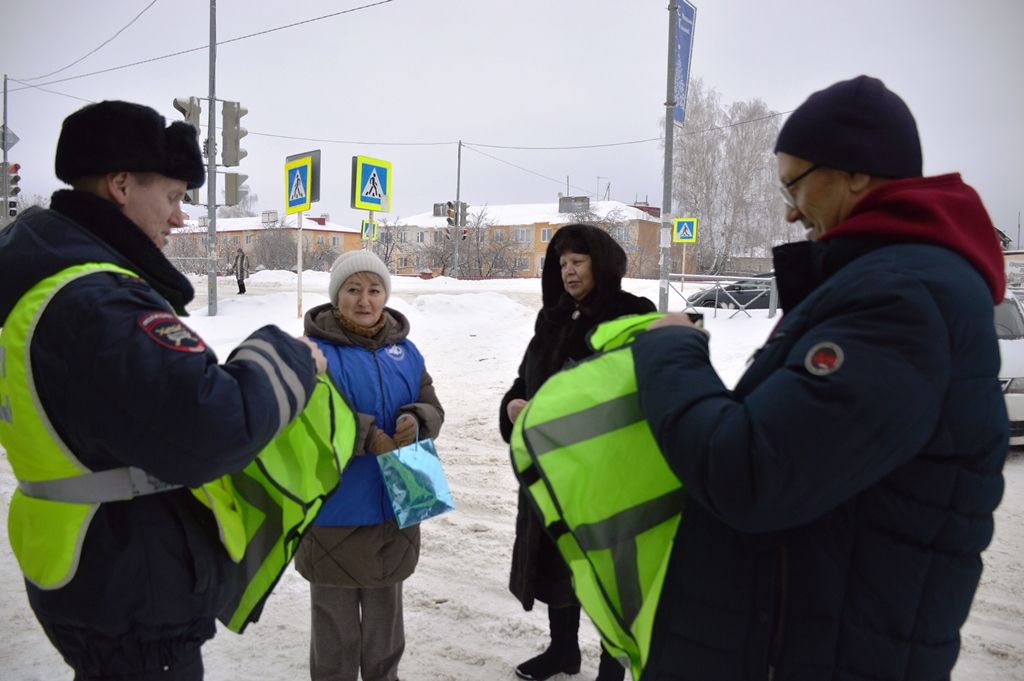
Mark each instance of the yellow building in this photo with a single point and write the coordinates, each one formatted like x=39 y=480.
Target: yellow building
x=270 y=243
x=510 y=240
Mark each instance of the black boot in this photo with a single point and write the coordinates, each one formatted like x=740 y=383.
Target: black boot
x=563 y=655
x=609 y=669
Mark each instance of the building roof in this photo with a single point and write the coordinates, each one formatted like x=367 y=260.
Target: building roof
x=530 y=214
x=225 y=225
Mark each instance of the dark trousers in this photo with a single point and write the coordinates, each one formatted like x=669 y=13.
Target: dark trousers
x=241 y=285
x=188 y=670
x=356 y=631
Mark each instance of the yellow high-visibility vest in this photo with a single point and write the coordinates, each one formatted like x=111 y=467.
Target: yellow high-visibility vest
x=588 y=460
x=261 y=511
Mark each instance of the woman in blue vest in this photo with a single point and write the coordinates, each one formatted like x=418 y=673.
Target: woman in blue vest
x=355 y=557
x=582 y=287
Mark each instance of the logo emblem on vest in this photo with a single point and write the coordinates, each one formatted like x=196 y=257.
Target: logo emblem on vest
x=824 y=359
x=168 y=331
x=396 y=352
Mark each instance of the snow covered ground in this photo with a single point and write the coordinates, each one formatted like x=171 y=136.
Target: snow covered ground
x=461 y=622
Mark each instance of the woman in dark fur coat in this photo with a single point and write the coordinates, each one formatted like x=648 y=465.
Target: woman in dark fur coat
x=581 y=286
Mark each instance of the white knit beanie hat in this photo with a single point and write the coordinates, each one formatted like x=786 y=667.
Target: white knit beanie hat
x=349 y=263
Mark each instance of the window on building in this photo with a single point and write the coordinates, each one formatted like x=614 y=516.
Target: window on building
x=438 y=235
x=545 y=236
x=500 y=235
x=521 y=263
x=418 y=261
x=403 y=261
x=521 y=235
x=419 y=236
x=248 y=238
x=335 y=241
x=402 y=236
x=540 y=264
x=235 y=240
x=320 y=239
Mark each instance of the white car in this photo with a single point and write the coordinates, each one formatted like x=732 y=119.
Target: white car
x=1009 y=320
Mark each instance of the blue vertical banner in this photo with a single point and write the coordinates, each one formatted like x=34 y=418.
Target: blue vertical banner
x=687 y=14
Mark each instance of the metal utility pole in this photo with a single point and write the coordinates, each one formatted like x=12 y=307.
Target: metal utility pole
x=3 y=143
x=458 y=214
x=666 y=193
x=211 y=171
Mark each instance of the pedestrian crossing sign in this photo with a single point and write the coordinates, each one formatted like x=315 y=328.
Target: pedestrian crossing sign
x=369 y=231
x=371 y=184
x=297 y=175
x=684 y=230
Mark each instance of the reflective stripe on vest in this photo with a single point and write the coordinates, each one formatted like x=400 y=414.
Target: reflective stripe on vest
x=46 y=536
x=588 y=460
x=261 y=512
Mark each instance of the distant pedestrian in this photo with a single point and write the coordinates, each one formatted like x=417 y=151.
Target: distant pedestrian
x=355 y=556
x=840 y=496
x=581 y=287
x=241 y=269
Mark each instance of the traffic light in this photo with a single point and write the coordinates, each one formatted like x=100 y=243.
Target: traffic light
x=449 y=207
x=463 y=214
x=463 y=233
x=232 y=133
x=234 y=188
x=13 y=178
x=189 y=107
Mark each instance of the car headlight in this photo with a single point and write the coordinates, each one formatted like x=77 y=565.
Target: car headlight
x=1016 y=385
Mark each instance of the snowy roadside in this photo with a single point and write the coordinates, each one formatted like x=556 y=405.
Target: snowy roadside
x=461 y=622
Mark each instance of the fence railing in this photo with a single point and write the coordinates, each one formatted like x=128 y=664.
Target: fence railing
x=729 y=292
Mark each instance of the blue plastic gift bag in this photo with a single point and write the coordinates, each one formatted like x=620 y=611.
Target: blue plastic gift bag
x=415 y=483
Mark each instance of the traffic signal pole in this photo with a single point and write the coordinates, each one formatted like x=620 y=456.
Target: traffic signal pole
x=458 y=214
x=3 y=143
x=211 y=172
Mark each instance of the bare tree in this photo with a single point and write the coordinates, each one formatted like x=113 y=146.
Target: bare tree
x=274 y=247
x=246 y=208
x=725 y=175
x=386 y=245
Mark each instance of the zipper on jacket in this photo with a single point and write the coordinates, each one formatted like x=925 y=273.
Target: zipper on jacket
x=775 y=655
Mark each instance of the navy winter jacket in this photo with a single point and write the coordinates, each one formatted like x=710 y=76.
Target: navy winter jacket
x=152 y=570
x=841 y=495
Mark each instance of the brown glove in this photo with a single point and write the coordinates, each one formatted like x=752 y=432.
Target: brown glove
x=405 y=429
x=378 y=442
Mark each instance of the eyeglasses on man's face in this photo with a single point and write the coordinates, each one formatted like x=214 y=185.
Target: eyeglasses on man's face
x=785 y=187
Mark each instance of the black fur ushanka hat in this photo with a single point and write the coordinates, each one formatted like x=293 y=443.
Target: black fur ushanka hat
x=115 y=136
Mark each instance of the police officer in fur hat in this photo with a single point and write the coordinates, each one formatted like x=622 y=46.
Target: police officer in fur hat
x=113 y=408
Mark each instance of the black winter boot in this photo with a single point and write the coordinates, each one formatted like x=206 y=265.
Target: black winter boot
x=563 y=655
x=610 y=669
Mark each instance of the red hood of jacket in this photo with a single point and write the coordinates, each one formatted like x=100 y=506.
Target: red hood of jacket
x=939 y=210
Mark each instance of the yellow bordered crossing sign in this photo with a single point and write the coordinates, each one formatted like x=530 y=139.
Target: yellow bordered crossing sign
x=298 y=174
x=371 y=184
x=684 y=230
x=369 y=231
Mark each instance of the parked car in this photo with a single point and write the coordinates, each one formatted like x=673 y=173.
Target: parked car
x=1009 y=320
x=753 y=295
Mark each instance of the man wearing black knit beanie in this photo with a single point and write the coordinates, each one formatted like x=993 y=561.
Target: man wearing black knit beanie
x=840 y=496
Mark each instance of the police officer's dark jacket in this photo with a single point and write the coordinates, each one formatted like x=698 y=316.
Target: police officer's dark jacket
x=560 y=336
x=121 y=394
x=841 y=495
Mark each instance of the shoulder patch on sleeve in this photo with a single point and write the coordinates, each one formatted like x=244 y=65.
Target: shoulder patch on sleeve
x=168 y=331
x=824 y=359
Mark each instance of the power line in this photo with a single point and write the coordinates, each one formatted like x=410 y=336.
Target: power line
x=332 y=141
x=566 y=148
x=101 y=45
x=206 y=47
x=730 y=125
x=52 y=92
x=525 y=170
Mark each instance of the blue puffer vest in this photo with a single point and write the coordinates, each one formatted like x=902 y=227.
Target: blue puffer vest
x=375 y=382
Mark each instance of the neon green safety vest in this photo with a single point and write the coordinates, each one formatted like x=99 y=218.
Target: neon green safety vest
x=261 y=511
x=588 y=460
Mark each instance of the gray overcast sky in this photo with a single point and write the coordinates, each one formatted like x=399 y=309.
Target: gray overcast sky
x=523 y=73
